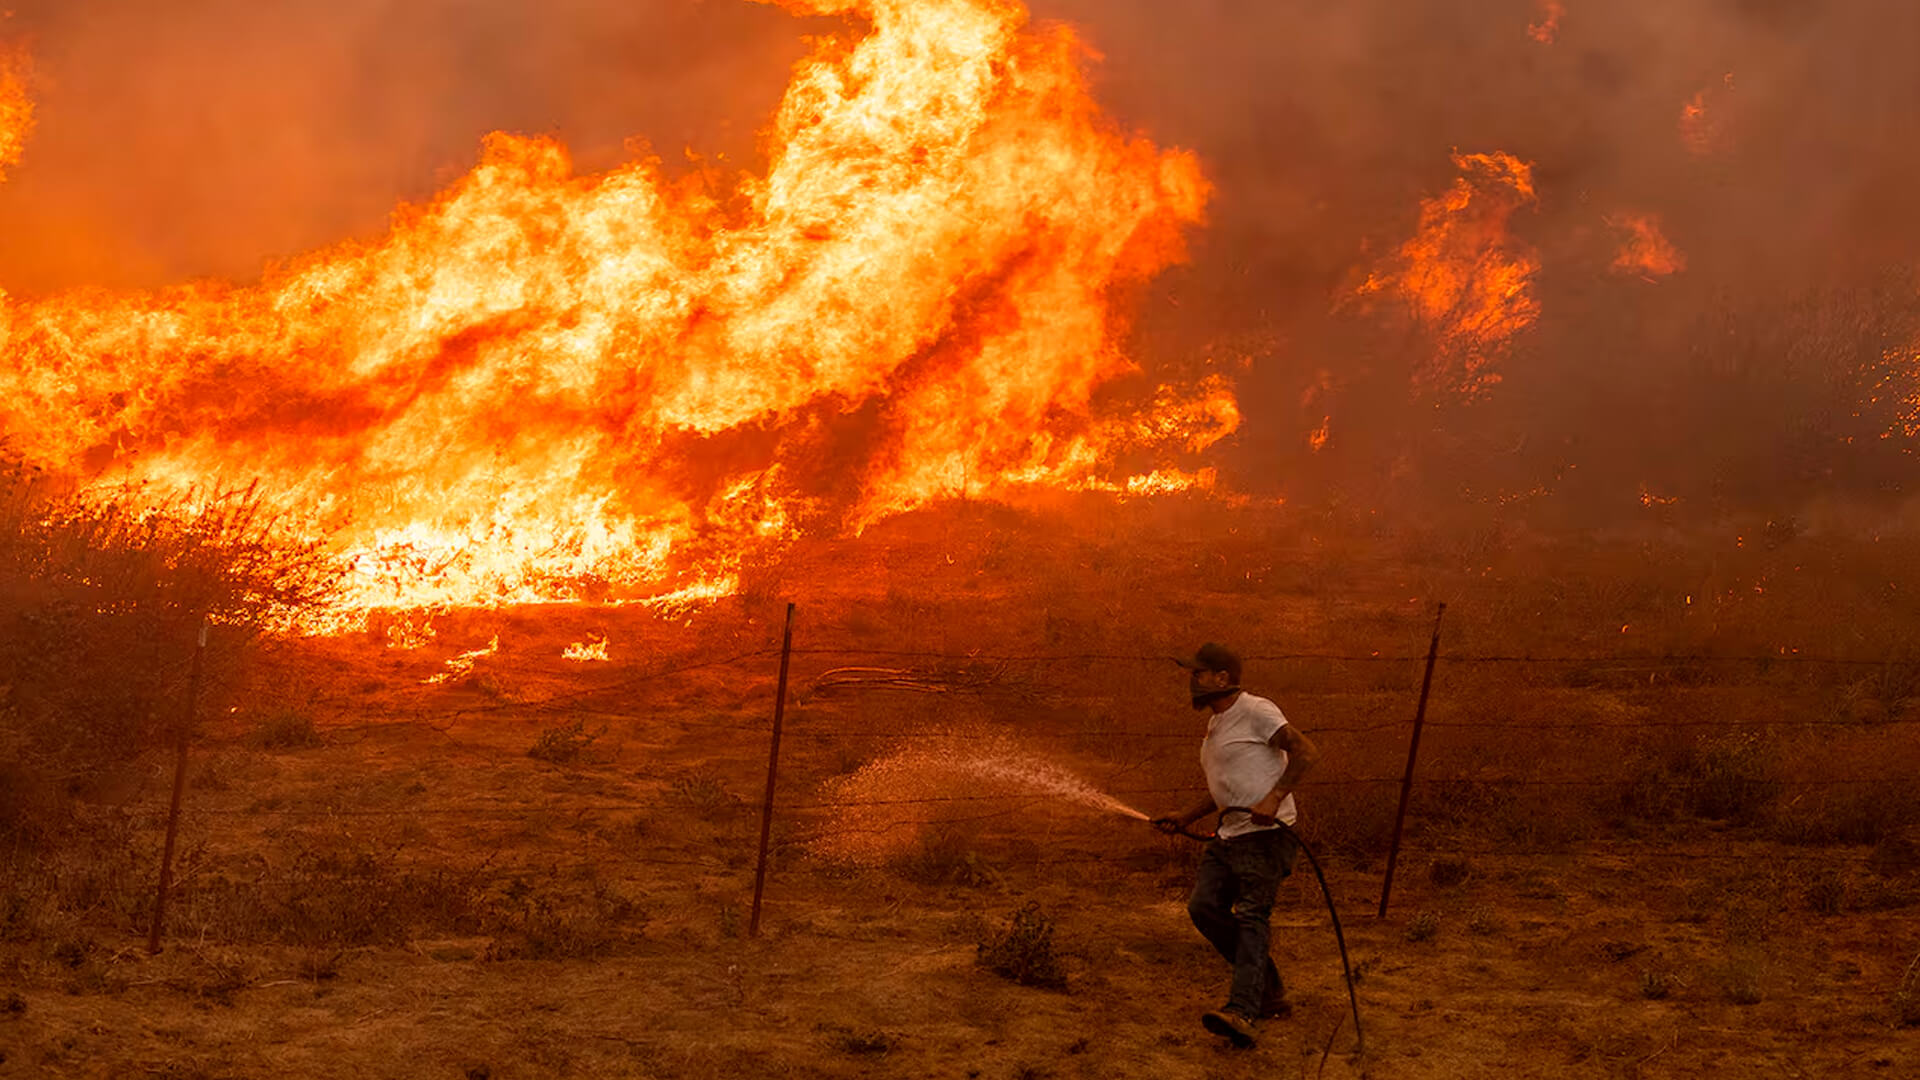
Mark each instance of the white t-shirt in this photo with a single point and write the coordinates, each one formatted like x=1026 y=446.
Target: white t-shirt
x=1241 y=767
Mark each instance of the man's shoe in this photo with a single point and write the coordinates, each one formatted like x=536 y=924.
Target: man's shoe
x=1231 y=1026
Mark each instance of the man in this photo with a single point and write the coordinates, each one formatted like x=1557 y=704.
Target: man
x=1253 y=759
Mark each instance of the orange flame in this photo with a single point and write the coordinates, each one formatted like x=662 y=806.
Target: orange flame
x=1548 y=28
x=1463 y=276
x=592 y=649
x=548 y=386
x=16 y=108
x=1645 y=251
x=1702 y=127
x=462 y=665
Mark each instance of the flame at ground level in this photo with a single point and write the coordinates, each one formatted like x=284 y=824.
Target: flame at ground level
x=547 y=386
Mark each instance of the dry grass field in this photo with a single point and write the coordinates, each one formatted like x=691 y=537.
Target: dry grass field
x=1653 y=836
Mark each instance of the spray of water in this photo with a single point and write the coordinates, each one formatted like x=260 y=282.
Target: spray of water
x=887 y=805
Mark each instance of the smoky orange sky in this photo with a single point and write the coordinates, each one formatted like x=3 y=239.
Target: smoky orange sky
x=210 y=137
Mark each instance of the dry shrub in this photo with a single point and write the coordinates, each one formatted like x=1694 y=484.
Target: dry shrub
x=534 y=924
x=1863 y=813
x=870 y=1042
x=1893 y=686
x=1826 y=892
x=1897 y=854
x=100 y=873
x=705 y=796
x=1742 y=977
x=1024 y=952
x=1734 y=778
x=946 y=857
x=347 y=897
x=1353 y=823
x=1728 y=776
x=103 y=594
x=1422 y=927
x=564 y=744
x=287 y=729
x=329 y=893
x=1654 y=791
x=1656 y=985
x=33 y=808
x=1906 y=996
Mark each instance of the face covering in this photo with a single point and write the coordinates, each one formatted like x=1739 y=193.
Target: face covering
x=1204 y=698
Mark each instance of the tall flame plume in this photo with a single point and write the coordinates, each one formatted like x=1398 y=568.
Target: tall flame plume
x=16 y=107
x=1464 y=276
x=543 y=385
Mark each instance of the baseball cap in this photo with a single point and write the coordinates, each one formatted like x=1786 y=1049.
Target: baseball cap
x=1212 y=657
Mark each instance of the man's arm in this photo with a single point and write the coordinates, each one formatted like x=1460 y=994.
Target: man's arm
x=1301 y=756
x=1176 y=822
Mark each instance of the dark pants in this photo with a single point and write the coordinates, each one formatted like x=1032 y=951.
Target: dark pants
x=1231 y=902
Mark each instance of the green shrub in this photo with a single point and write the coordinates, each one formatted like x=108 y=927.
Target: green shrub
x=1024 y=951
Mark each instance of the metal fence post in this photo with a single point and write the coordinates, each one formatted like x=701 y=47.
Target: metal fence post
x=773 y=771
x=179 y=789
x=1413 y=752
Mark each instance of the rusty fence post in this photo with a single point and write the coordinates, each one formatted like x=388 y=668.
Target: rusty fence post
x=773 y=772
x=1413 y=752
x=179 y=789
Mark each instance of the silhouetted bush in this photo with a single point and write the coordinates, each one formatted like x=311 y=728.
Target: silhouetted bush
x=565 y=744
x=101 y=596
x=1024 y=951
x=287 y=729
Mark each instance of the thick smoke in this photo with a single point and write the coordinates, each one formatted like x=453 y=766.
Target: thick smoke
x=1737 y=381
x=204 y=137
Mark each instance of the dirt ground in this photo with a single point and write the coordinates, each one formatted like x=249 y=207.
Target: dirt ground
x=541 y=868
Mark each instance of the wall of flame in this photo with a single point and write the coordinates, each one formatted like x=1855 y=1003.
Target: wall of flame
x=547 y=385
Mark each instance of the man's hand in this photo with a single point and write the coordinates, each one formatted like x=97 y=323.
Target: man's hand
x=1167 y=824
x=1267 y=810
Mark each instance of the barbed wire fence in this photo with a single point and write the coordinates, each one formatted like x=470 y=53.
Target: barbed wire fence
x=615 y=700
